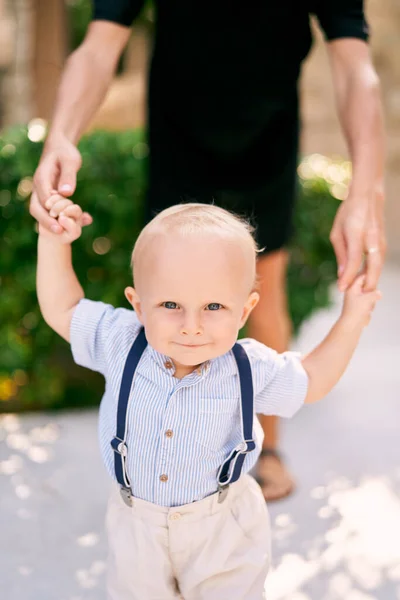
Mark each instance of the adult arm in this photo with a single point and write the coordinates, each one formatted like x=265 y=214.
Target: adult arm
x=358 y=225
x=87 y=76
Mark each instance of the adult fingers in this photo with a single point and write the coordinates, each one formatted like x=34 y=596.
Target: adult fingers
x=42 y=216
x=45 y=178
x=375 y=256
x=373 y=268
x=69 y=167
x=354 y=259
x=339 y=246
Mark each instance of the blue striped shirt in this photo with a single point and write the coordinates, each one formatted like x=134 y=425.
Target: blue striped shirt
x=179 y=430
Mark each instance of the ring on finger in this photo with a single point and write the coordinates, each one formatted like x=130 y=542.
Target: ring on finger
x=373 y=250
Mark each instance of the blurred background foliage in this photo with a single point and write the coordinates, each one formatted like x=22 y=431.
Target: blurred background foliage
x=36 y=368
x=79 y=13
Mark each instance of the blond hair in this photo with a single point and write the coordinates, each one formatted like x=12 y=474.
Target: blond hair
x=196 y=218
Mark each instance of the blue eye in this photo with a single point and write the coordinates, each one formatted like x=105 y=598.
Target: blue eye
x=170 y=305
x=214 y=306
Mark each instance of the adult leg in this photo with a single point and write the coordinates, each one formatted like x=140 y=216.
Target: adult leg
x=270 y=324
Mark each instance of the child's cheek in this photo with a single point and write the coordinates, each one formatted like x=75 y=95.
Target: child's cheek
x=167 y=321
x=219 y=322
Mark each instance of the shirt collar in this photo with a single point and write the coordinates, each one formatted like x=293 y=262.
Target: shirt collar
x=166 y=364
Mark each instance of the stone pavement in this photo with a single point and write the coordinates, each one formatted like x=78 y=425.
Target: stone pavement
x=337 y=537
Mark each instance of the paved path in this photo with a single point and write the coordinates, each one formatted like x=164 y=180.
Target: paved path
x=337 y=538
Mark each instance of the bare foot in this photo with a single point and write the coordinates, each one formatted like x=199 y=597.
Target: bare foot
x=272 y=476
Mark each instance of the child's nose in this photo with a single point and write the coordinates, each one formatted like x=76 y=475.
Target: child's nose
x=191 y=326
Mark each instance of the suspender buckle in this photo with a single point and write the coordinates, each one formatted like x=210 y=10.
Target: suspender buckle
x=222 y=492
x=247 y=446
x=126 y=495
x=119 y=446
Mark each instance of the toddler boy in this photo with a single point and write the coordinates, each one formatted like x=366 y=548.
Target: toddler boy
x=177 y=429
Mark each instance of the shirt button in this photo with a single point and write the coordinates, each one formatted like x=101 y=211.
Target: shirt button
x=175 y=516
x=163 y=477
x=169 y=433
x=168 y=364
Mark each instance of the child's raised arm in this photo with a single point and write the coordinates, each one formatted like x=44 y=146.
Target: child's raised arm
x=328 y=361
x=58 y=288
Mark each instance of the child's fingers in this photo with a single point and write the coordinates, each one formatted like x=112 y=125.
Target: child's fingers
x=372 y=297
x=55 y=197
x=358 y=283
x=376 y=295
x=72 y=228
x=371 y=300
x=59 y=207
x=74 y=212
x=67 y=223
x=87 y=219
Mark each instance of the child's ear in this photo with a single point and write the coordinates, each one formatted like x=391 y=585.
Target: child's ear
x=251 y=303
x=132 y=296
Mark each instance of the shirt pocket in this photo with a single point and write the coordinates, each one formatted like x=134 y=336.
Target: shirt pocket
x=217 y=422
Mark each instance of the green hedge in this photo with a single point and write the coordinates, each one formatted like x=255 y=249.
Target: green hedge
x=79 y=15
x=36 y=369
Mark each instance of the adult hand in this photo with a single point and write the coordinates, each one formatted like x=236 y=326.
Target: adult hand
x=358 y=231
x=56 y=172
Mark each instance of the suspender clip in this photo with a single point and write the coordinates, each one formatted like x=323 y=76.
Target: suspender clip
x=222 y=493
x=119 y=446
x=247 y=446
x=126 y=495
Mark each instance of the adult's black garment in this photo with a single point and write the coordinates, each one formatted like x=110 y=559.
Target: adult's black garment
x=223 y=103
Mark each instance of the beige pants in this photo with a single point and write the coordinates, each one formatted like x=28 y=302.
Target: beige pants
x=199 y=551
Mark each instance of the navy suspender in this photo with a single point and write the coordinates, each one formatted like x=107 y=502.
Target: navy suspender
x=118 y=444
x=230 y=470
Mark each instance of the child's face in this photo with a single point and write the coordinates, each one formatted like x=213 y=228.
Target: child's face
x=193 y=296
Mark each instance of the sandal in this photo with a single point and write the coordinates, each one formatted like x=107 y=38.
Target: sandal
x=278 y=483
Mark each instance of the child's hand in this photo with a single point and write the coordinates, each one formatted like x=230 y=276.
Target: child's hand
x=358 y=305
x=69 y=216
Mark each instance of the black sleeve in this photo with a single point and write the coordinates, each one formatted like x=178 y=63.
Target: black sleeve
x=341 y=18
x=123 y=12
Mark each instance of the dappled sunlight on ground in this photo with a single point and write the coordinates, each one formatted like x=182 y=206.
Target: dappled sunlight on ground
x=32 y=445
x=334 y=541
x=89 y=578
x=358 y=552
x=52 y=507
